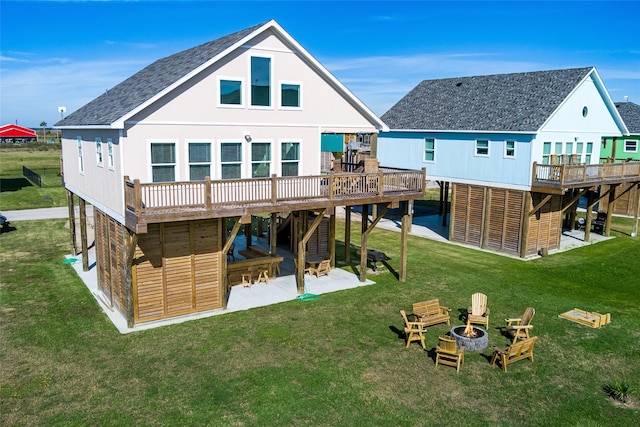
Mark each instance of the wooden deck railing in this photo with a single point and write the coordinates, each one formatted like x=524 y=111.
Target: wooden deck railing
x=567 y=175
x=335 y=187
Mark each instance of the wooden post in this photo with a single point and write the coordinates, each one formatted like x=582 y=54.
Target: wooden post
x=484 y=236
x=526 y=218
x=404 y=239
x=332 y=238
x=634 y=231
x=363 y=242
x=273 y=233
x=587 y=217
x=72 y=222
x=445 y=208
x=83 y=235
x=612 y=198
x=365 y=217
x=347 y=234
x=274 y=189
x=247 y=234
x=301 y=257
x=131 y=242
x=207 y=192
x=224 y=279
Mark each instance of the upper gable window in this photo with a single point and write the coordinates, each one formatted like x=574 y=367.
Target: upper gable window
x=630 y=146
x=290 y=95
x=99 y=152
x=230 y=92
x=260 y=81
x=510 y=149
x=482 y=147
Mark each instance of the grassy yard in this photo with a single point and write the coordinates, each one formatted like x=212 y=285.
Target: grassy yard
x=16 y=192
x=339 y=360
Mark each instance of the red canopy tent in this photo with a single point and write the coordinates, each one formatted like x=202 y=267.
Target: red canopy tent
x=15 y=132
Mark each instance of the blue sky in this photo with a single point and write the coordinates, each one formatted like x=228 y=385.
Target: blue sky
x=65 y=53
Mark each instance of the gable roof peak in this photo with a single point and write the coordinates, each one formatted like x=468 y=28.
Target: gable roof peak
x=140 y=88
x=515 y=102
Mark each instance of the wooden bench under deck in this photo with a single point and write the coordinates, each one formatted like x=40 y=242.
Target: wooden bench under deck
x=235 y=270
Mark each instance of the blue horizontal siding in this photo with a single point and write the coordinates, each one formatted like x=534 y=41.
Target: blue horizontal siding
x=454 y=156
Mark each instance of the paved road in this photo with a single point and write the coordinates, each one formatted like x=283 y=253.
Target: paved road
x=43 y=213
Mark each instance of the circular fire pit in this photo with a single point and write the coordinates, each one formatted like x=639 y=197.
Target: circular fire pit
x=479 y=342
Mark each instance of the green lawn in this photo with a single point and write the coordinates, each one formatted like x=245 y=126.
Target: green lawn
x=16 y=192
x=339 y=360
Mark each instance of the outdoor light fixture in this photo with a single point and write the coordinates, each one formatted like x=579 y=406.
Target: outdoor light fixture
x=247 y=137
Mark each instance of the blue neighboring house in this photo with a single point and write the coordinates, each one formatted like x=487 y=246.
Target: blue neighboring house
x=513 y=148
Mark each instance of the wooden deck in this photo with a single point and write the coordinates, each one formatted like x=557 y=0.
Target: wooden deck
x=556 y=179
x=178 y=201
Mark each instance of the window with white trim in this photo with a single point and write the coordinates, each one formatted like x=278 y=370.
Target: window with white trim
x=587 y=157
x=260 y=81
x=630 y=146
x=110 y=153
x=80 y=159
x=231 y=160
x=290 y=158
x=199 y=160
x=579 y=149
x=429 y=150
x=260 y=159
x=163 y=162
x=546 y=153
x=99 y=152
x=510 y=149
x=290 y=95
x=230 y=92
x=482 y=147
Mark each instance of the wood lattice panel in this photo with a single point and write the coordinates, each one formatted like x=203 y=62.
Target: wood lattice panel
x=110 y=260
x=505 y=220
x=177 y=269
x=545 y=225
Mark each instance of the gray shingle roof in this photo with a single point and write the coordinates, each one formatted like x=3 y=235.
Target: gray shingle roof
x=630 y=113
x=519 y=102
x=144 y=85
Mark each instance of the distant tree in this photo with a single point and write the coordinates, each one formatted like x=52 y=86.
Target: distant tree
x=43 y=125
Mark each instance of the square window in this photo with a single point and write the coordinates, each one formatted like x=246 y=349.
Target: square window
x=290 y=95
x=630 y=146
x=482 y=147
x=230 y=92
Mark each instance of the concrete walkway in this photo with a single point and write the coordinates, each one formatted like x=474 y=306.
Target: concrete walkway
x=43 y=213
